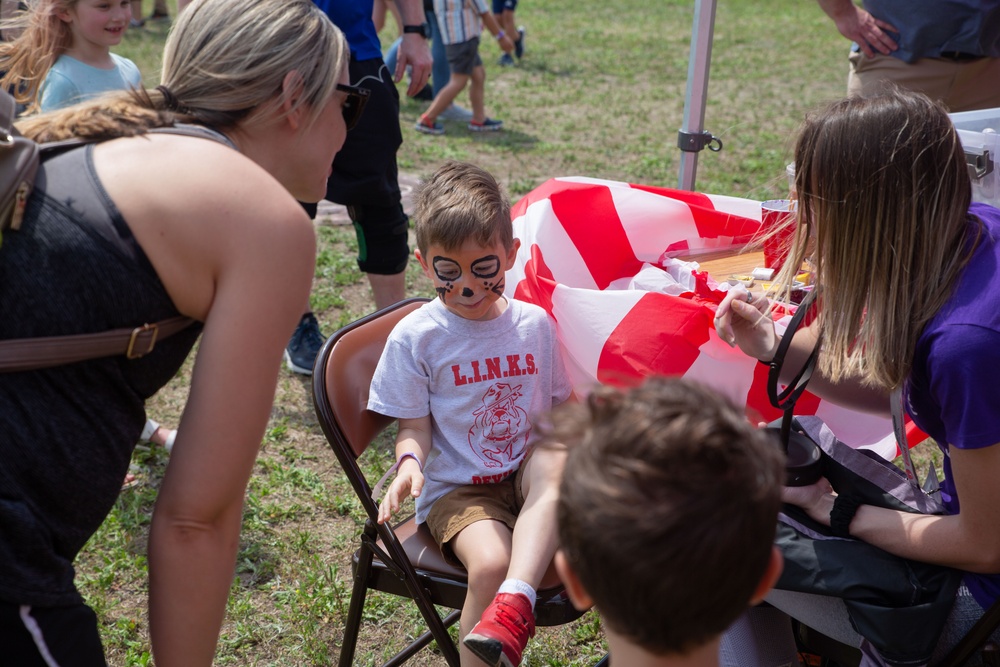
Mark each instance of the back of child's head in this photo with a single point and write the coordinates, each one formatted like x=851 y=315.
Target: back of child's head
x=462 y=202
x=41 y=38
x=667 y=511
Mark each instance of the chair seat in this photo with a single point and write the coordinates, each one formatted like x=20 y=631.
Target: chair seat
x=447 y=582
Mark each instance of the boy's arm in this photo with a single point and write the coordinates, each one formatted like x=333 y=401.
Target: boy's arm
x=505 y=42
x=414 y=438
x=413 y=446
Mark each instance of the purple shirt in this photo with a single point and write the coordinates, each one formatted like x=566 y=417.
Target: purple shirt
x=951 y=392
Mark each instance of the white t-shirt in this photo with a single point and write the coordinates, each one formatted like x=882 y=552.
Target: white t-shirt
x=482 y=382
x=71 y=81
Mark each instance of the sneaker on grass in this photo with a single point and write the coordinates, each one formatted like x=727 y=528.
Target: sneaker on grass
x=502 y=633
x=423 y=125
x=519 y=44
x=506 y=60
x=303 y=347
x=488 y=125
x=455 y=112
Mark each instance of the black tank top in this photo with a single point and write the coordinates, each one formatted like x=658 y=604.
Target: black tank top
x=67 y=433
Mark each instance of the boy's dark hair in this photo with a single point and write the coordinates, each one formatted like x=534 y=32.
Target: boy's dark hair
x=460 y=202
x=667 y=509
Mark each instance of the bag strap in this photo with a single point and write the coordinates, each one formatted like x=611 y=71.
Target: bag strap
x=898 y=428
x=183 y=129
x=26 y=354
x=8 y=110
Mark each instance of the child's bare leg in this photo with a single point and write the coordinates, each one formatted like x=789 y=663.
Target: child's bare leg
x=476 y=94
x=446 y=96
x=508 y=621
x=484 y=548
x=535 y=539
x=507 y=22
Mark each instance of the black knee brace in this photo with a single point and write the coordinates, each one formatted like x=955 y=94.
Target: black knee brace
x=382 y=238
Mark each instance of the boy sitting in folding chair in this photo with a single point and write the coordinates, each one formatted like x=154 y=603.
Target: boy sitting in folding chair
x=667 y=515
x=467 y=375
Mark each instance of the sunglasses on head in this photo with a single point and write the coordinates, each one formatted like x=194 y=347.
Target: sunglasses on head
x=355 y=103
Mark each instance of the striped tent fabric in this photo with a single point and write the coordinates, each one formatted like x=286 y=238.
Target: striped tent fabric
x=601 y=257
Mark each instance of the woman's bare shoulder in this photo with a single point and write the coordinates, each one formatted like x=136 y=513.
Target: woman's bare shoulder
x=201 y=210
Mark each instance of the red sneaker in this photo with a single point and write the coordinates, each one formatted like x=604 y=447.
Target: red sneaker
x=501 y=634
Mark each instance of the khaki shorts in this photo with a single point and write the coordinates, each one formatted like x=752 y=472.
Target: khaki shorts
x=962 y=86
x=466 y=505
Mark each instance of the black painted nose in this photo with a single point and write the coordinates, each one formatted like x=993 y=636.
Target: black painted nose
x=466 y=292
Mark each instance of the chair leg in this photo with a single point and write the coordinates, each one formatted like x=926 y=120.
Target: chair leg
x=425 y=639
x=438 y=628
x=357 y=606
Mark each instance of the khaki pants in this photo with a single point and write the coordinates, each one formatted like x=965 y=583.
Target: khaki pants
x=960 y=86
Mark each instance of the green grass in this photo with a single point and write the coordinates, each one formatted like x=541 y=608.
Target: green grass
x=599 y=93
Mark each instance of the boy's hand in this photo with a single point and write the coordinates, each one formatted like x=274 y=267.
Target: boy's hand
x=409 y=481
x=506 y=44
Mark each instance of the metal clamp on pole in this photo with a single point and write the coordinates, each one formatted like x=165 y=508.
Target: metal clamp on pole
x=979 y=162
x=693 y=142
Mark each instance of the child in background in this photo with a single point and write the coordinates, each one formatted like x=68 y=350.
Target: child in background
x=667 y=514
x=461 y=23
x=504 y=10
x=63 y=55
x=160 y=13
x=467 y=375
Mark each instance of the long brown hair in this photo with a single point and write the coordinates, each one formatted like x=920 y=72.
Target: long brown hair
x=41 y=38
x=884 y=194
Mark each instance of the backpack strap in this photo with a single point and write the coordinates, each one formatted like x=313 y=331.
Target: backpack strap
x=18 y=165
x=26 y=354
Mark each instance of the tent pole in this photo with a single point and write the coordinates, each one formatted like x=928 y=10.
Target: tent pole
x=692 y=138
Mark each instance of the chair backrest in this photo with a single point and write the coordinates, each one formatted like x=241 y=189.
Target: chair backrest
x=342 y=380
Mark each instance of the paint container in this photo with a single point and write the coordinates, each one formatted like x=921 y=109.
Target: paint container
x=777 y=218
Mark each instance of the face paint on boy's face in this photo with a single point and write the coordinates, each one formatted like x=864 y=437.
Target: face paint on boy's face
x=449 y=271
x=468 y=282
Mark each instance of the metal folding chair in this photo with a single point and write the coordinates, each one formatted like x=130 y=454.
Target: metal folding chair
x=402 y=559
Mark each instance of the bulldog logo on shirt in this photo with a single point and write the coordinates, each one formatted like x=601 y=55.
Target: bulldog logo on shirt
x=499 y=423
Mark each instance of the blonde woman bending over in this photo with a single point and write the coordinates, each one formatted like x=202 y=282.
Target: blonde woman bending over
x=220 y=238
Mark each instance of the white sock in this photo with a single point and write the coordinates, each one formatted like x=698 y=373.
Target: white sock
x=148 y=430
x=518 y=586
